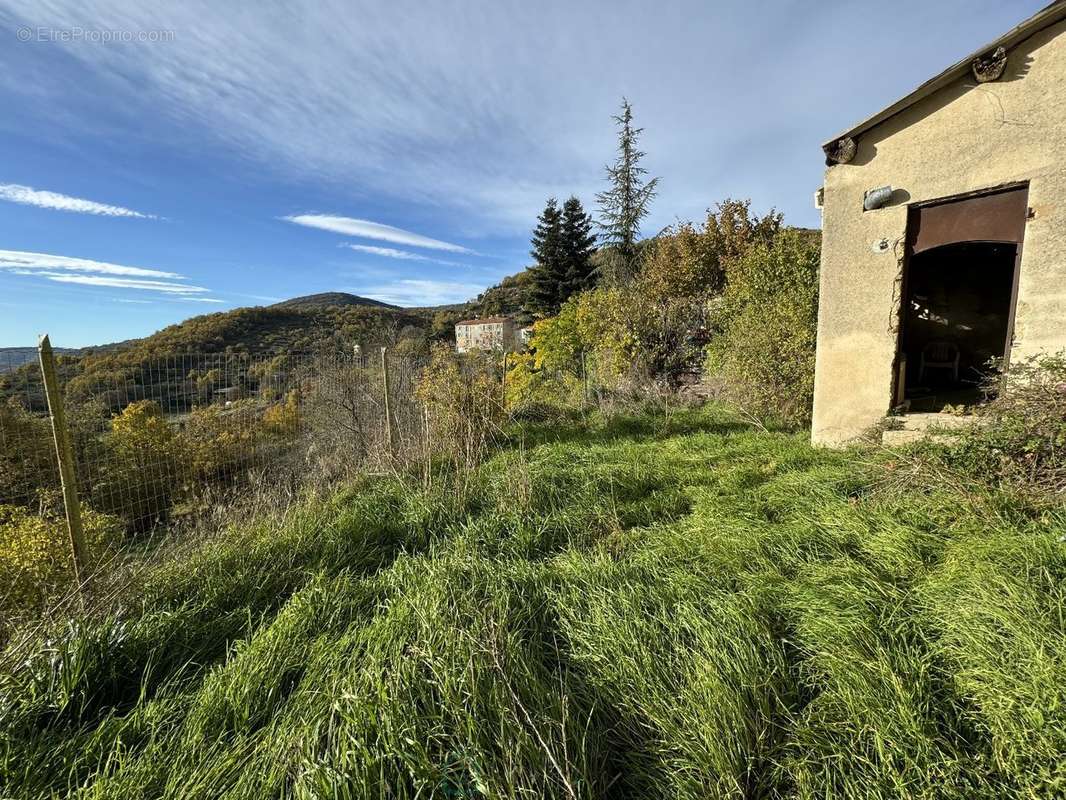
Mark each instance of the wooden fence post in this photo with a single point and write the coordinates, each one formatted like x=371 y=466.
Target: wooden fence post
x=585 y=377
x=503 y=383
x=388 y=414
x=427 y=445
x=64 y=455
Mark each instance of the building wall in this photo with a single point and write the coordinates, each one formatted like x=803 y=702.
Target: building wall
x=964 y=138
x=488 y=336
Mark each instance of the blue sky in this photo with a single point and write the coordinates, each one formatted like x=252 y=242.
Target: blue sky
x=157 y=163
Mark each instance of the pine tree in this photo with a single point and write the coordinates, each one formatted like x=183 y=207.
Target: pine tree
x=549 y=268
x=579 y=243
x=625 y=203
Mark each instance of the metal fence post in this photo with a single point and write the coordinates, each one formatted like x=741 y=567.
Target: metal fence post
x=388 y=414
x=67 y=474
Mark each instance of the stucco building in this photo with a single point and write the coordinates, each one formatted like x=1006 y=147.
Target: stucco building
x=490 y=333
x=944 y=234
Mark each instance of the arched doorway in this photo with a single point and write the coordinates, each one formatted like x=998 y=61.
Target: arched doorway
x=959 y=291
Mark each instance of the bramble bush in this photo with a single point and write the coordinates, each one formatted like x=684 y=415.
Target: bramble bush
x=1022 y=443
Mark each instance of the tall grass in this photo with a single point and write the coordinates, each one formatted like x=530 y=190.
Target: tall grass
x=634 y=609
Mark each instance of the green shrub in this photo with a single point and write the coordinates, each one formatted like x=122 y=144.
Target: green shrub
x=1022 y=443
x=766 y=324
x=27 y=454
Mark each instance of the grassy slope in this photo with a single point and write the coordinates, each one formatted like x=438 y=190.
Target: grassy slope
x=708 y=611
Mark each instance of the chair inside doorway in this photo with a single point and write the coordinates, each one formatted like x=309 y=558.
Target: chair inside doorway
x=956 y=318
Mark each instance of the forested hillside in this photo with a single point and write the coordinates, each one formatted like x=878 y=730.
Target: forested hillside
x=319 y=323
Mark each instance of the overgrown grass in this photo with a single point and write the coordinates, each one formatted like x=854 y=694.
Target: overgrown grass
x=680 y=609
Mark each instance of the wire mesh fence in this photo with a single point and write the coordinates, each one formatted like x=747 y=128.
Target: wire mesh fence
x=166 y=444
x=149 y=441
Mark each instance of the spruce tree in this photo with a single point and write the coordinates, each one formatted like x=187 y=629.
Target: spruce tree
x=625 y=203
x=549 y=268
x=579 y=243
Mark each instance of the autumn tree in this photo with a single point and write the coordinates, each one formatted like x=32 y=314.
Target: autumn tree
x=694 y=261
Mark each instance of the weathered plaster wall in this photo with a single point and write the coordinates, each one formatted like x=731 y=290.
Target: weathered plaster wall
x=964 y=138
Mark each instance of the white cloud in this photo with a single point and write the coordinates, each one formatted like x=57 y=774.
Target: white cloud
x=86 y=272
x=17 y=259
x=417 y=292
x=366 y=229
x=28 y=196
x=405 y=255
x=483 y=119
x=387 y=252
x=120 y=283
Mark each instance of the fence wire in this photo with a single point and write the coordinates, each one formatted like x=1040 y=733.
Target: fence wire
x=154 y=442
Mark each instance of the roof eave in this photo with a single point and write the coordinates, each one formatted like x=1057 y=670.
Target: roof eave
x=1044 y=18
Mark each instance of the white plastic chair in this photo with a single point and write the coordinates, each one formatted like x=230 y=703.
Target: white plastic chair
x=939 y=355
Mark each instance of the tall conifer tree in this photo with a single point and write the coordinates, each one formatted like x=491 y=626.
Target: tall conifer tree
x=579 y=243
x=625 y=203
x=549 y=267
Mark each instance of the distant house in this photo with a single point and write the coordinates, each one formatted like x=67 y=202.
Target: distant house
x=944 y=235
x=490 y=333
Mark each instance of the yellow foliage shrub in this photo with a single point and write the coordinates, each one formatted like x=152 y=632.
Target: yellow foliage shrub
x=463 y=398
x=283 y=419
x=35 y=560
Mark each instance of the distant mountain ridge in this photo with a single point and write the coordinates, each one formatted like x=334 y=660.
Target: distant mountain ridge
x=12 y=358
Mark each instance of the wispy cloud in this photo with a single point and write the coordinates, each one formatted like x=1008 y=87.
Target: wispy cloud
x=418 y=292
x=86 y=272
x=28 y=196
x=18 y=259
x=404 y=255
x=387 y=252
x=482 y=120
x=366 y=229
x=119 y=283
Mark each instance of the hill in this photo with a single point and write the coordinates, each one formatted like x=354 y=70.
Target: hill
x=263 y=331
x=652 y=608
x=329 y=300
x=271 y=330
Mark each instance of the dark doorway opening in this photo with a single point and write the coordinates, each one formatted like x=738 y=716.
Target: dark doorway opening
x=956 y=320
